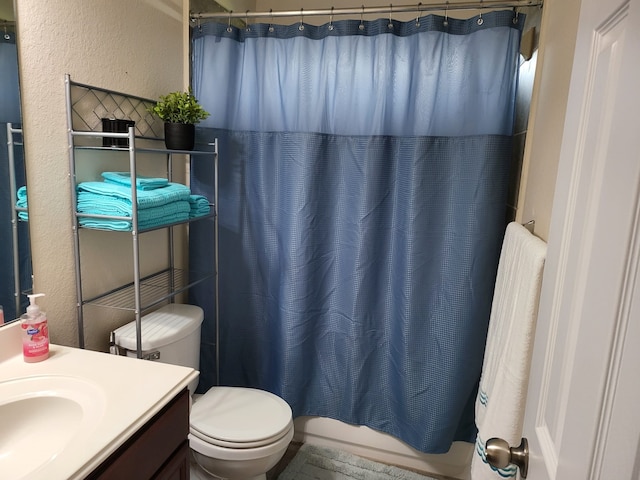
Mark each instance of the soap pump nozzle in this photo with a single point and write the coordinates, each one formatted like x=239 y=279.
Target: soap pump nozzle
x=33 y=310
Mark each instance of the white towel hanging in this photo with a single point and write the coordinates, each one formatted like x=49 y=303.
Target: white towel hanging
x=505 y=371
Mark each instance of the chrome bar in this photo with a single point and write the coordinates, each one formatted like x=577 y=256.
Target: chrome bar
x=216 y=263
x=14 y=215
x=74 y=216
x=415 y=8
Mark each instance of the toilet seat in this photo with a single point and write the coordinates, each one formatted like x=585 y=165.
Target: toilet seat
x=240 y=454
x=240 y=418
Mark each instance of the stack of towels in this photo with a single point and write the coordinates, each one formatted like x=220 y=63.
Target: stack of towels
x=160 y=202
x=22 y=203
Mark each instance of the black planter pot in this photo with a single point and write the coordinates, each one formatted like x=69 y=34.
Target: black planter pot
x=179 y=136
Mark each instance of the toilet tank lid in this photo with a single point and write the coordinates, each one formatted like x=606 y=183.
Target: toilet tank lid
x=162 y=327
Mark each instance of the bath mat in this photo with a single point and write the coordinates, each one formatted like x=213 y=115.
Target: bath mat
x=321 y=463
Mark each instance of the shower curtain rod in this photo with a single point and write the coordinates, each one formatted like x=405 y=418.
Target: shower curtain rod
x=390 y=9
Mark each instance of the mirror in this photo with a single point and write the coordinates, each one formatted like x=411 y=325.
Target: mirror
x=15 y=257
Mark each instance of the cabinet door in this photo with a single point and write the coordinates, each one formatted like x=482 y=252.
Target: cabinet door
x=581 y=415
x=153 y=449
x=177 y=467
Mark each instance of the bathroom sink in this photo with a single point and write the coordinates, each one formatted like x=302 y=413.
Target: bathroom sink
x=67 y=416
x=41 y=415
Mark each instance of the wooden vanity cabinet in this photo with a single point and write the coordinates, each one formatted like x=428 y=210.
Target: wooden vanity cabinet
x=158 y=451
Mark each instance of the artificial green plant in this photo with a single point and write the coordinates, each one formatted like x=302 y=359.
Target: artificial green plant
x=179 y=107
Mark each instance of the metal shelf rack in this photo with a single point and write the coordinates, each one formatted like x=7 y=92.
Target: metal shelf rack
x=14 y=139
x=86 y=106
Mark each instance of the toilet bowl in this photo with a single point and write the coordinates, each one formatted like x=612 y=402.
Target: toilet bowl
x=239 y=432
x=234 y=432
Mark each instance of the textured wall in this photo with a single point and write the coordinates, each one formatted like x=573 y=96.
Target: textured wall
x=548 y=105
x=134 y=47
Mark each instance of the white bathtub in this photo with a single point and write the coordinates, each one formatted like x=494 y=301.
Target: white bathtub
x=381 y=447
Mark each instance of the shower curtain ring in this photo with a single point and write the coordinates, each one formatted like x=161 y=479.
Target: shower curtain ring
x=331 y=20
x=480 y=20
x=246 y=21
x=229 y=24
x=361 y=26
x=418 y=17
x=301 y=26
x=446 y=15
x=271 y=29
x=390 y=25
x=515 y=16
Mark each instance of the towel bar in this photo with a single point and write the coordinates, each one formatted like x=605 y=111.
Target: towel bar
x=530 y=225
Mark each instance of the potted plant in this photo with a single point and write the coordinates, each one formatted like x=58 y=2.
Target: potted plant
x=180 y=111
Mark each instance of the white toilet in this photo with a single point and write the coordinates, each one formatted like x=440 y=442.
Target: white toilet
x=235 y=432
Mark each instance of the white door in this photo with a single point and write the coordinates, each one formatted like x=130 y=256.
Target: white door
x=583 y=408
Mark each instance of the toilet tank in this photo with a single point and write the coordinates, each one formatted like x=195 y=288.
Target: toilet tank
x=171 y=334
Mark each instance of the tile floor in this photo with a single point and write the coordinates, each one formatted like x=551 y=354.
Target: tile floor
x=198 y=474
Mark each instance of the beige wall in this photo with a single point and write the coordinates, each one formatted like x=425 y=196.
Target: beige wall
x=134 y=47
x=230 y=5
x=6 y=10
x=546 y=119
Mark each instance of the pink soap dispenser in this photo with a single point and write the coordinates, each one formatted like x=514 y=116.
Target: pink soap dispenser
x=35 y=333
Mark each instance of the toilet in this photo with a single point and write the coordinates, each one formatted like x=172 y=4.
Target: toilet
x=235 y=432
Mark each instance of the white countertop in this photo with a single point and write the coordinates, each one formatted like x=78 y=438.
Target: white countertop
x=133 y=391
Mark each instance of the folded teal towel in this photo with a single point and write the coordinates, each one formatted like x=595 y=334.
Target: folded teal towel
x=88 y=204
x=147 y=218
x=142 y=182
x=199 y=206
x=146 y=198
x=21 y=194
x=103 y=205
x=125 y=226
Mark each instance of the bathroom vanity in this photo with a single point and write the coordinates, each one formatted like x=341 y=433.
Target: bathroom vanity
x=84 y=414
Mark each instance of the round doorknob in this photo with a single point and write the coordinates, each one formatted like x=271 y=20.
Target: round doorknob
x=500 y=455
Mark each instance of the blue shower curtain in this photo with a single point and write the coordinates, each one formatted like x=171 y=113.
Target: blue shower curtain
x=363 y=181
